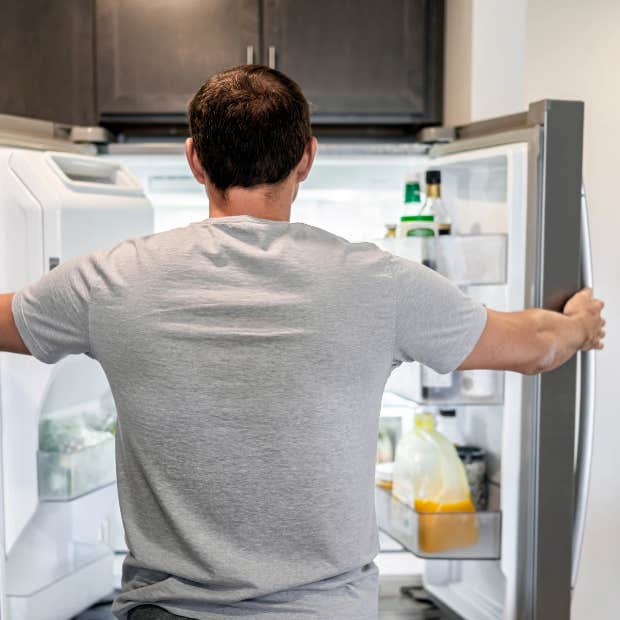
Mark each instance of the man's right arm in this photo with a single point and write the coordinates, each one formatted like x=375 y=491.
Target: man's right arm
x=534 y=341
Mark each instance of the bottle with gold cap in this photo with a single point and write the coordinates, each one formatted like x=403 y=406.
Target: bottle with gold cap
x=433 y=204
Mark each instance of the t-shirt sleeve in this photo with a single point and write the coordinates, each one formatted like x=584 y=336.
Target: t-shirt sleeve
x=52 y=315
x=436 y=324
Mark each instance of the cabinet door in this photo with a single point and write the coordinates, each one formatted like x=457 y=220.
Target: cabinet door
x=46 y=60
x=360 y=60
x=153 y=55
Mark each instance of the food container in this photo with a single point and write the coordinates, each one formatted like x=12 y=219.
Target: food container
x=474 y=461
x=67 y=475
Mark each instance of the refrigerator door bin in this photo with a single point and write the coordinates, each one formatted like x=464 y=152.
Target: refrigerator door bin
x=422 y=385
x=464 y=259
x=440 y=535
x=67 y=475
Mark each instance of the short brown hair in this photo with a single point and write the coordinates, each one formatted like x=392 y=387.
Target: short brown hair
x=250 y=126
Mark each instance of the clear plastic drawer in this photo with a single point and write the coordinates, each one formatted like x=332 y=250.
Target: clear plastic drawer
x=440 y=535
x=66 y=475
x=464 y=259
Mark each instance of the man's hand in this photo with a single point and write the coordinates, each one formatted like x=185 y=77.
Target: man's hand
x=586 y=310
x=10 y=340
x=536 y=340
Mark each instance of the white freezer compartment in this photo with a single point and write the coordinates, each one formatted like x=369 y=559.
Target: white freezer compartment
x=57 y=485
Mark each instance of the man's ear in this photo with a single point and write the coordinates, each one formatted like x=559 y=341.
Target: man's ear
x=307 y=159
x=194 y=162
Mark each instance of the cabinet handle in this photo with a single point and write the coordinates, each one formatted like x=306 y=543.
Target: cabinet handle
x=249 y=55
x=272 y=57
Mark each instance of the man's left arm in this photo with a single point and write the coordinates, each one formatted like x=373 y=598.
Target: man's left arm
x=10 y=340
x=49 y=319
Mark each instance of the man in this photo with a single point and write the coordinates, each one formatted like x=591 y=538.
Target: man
x=247 y=357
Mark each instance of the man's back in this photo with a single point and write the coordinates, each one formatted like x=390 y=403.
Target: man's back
x=247 y=359
x=247 y=420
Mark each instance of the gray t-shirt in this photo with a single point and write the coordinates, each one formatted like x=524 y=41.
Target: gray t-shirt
x=247 y=359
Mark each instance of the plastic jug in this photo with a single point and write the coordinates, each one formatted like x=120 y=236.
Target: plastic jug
x=430 y=477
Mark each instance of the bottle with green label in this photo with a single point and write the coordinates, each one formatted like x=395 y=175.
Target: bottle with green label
x=411 y=207
x=418 y=225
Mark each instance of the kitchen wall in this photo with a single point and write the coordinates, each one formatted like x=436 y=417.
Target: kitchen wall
x=524 y=50
x=457 y=62
x=572 y=52
x=484 y=59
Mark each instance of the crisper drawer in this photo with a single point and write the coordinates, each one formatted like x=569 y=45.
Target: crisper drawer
x=440 y=535
x=466 y=260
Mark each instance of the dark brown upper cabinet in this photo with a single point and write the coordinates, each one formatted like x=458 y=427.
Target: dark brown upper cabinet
x=153 y=55
x=46 y=60
x=360 y=61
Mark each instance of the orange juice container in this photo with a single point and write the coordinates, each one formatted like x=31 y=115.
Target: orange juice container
x=430 y=477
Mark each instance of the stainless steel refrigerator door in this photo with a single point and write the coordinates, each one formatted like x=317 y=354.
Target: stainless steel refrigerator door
x=548 y=452
x=553 y=131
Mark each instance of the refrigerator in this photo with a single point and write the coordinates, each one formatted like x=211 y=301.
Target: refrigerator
x=513 y=187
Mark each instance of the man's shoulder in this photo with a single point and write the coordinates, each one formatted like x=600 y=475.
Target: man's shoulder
x=320 y=234
x=155 y=243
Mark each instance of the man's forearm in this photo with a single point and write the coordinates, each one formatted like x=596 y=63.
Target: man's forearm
x=10 y=340
x=535 y=340
x=558 y=338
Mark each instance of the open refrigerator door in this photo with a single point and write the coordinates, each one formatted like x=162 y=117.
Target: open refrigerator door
x=512 y=186
x=485 y=191
x=58 y=421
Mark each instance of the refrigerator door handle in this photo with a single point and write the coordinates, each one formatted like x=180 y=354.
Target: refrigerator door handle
x=586 y=408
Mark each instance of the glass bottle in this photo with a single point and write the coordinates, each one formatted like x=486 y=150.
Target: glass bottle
x=433 y=204
x=411 y=207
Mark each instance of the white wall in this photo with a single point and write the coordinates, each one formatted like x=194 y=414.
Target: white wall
x=484 y=59
x=573 y=52
x=498 y=57
x=457 y=62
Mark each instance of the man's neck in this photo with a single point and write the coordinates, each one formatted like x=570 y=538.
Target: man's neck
x=265 y=202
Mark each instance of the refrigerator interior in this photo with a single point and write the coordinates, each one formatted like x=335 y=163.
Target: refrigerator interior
x=354 y=193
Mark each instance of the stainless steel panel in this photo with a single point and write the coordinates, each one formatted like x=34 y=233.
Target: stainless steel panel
x=550 y=451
